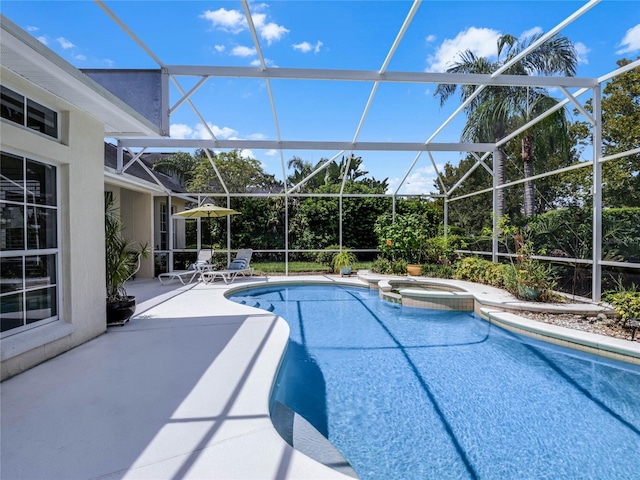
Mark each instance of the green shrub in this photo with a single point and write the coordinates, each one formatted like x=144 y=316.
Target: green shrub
x=441 y=250
x=326 y=257
x=437 y=271
x=494 y=274
x=626 y=302
x=471 y=269
x=403 y=237
x=389 y=267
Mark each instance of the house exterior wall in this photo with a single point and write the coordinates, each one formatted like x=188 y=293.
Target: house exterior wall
x=78 y=156
x=136 y=212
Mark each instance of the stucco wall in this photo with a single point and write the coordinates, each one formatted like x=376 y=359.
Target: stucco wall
x=79 y=157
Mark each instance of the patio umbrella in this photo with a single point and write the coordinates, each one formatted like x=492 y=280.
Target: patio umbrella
x=208 y=210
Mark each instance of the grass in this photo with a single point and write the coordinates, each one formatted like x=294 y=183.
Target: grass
x=300 y=267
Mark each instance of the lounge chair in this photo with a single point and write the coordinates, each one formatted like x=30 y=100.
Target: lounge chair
x=239 y=266
x=194 y=271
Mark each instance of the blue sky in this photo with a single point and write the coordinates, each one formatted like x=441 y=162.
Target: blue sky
x=353 y=35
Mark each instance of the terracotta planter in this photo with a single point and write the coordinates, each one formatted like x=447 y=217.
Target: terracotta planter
x=119 y=313
x=414 y=269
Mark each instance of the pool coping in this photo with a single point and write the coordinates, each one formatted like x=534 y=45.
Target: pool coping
x=248 y=345
x=501 y=308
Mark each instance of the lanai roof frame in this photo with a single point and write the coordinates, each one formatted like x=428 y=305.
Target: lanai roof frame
x=382 y=75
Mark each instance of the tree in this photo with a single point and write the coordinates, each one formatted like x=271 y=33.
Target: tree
x=621 y=133
x=239 y=174
x=496 y=110
x=180 y=166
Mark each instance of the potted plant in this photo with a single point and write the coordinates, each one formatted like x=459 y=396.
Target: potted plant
x=343 y=261
x=122 y=261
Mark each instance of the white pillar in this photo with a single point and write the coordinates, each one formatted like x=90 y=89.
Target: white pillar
x=494 y=242
x=596 y=282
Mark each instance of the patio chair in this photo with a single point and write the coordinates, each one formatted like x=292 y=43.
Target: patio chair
x=238 y=266
x=194 y=271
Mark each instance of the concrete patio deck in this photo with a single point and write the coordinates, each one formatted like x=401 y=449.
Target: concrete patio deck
x=181 y=391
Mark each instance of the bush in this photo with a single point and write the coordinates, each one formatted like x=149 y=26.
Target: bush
x=438 y=271
x=472 y=269
x=389 y=267
x=441 y=250
x=625 y=302
x=326 y=258
x=403 y=237
x=494 y=274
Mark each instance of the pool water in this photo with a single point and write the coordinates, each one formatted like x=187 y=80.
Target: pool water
x=409 y=393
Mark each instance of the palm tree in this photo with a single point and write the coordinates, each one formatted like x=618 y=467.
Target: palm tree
x=179 y=165
x=496 y=110
x=336 y=171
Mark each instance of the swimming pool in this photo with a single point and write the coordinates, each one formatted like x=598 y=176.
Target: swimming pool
x=408 y=393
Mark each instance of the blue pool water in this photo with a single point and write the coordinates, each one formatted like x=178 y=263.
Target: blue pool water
x=408 y=393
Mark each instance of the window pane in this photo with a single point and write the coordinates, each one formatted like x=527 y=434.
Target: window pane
x=40 y=270
x=11 y=274
x=42 y=119
x=11 y=314
x=11 y=227
x=41 y=304
x=12 y=106
x=11 y=178
x=41 y=228
x=41 y=183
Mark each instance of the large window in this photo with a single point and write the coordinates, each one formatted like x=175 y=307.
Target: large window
x=28 y=113
x=164 y=234
x=28 y=242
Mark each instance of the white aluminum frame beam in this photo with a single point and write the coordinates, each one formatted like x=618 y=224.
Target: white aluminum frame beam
x=307 y=145
x=373 y=76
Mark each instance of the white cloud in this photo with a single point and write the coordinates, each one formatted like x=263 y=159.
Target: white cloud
x=303 y=47
x=242 y=51
x=271 y=32
x=531 y=32
x=64 y=43
x=582 y=50
x=234 y=21
x=306 y=47
x=219 y=48
x=268 y=62
x=80 y=57
x=430 y=38
x=179 y=130
x=481 y=41
x=43 y=40
x=271 y=153
x=223 y=133
x=199 y=132
x=31 y=28
x=246 y=153
x=228 y=20
x=631 y=41
x=419 y=182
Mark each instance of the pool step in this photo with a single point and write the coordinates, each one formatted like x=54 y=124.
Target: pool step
x=253 y=302
x=447 y=300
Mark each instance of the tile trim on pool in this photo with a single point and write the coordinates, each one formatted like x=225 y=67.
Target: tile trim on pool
x=614 y=348
x=500 y=308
